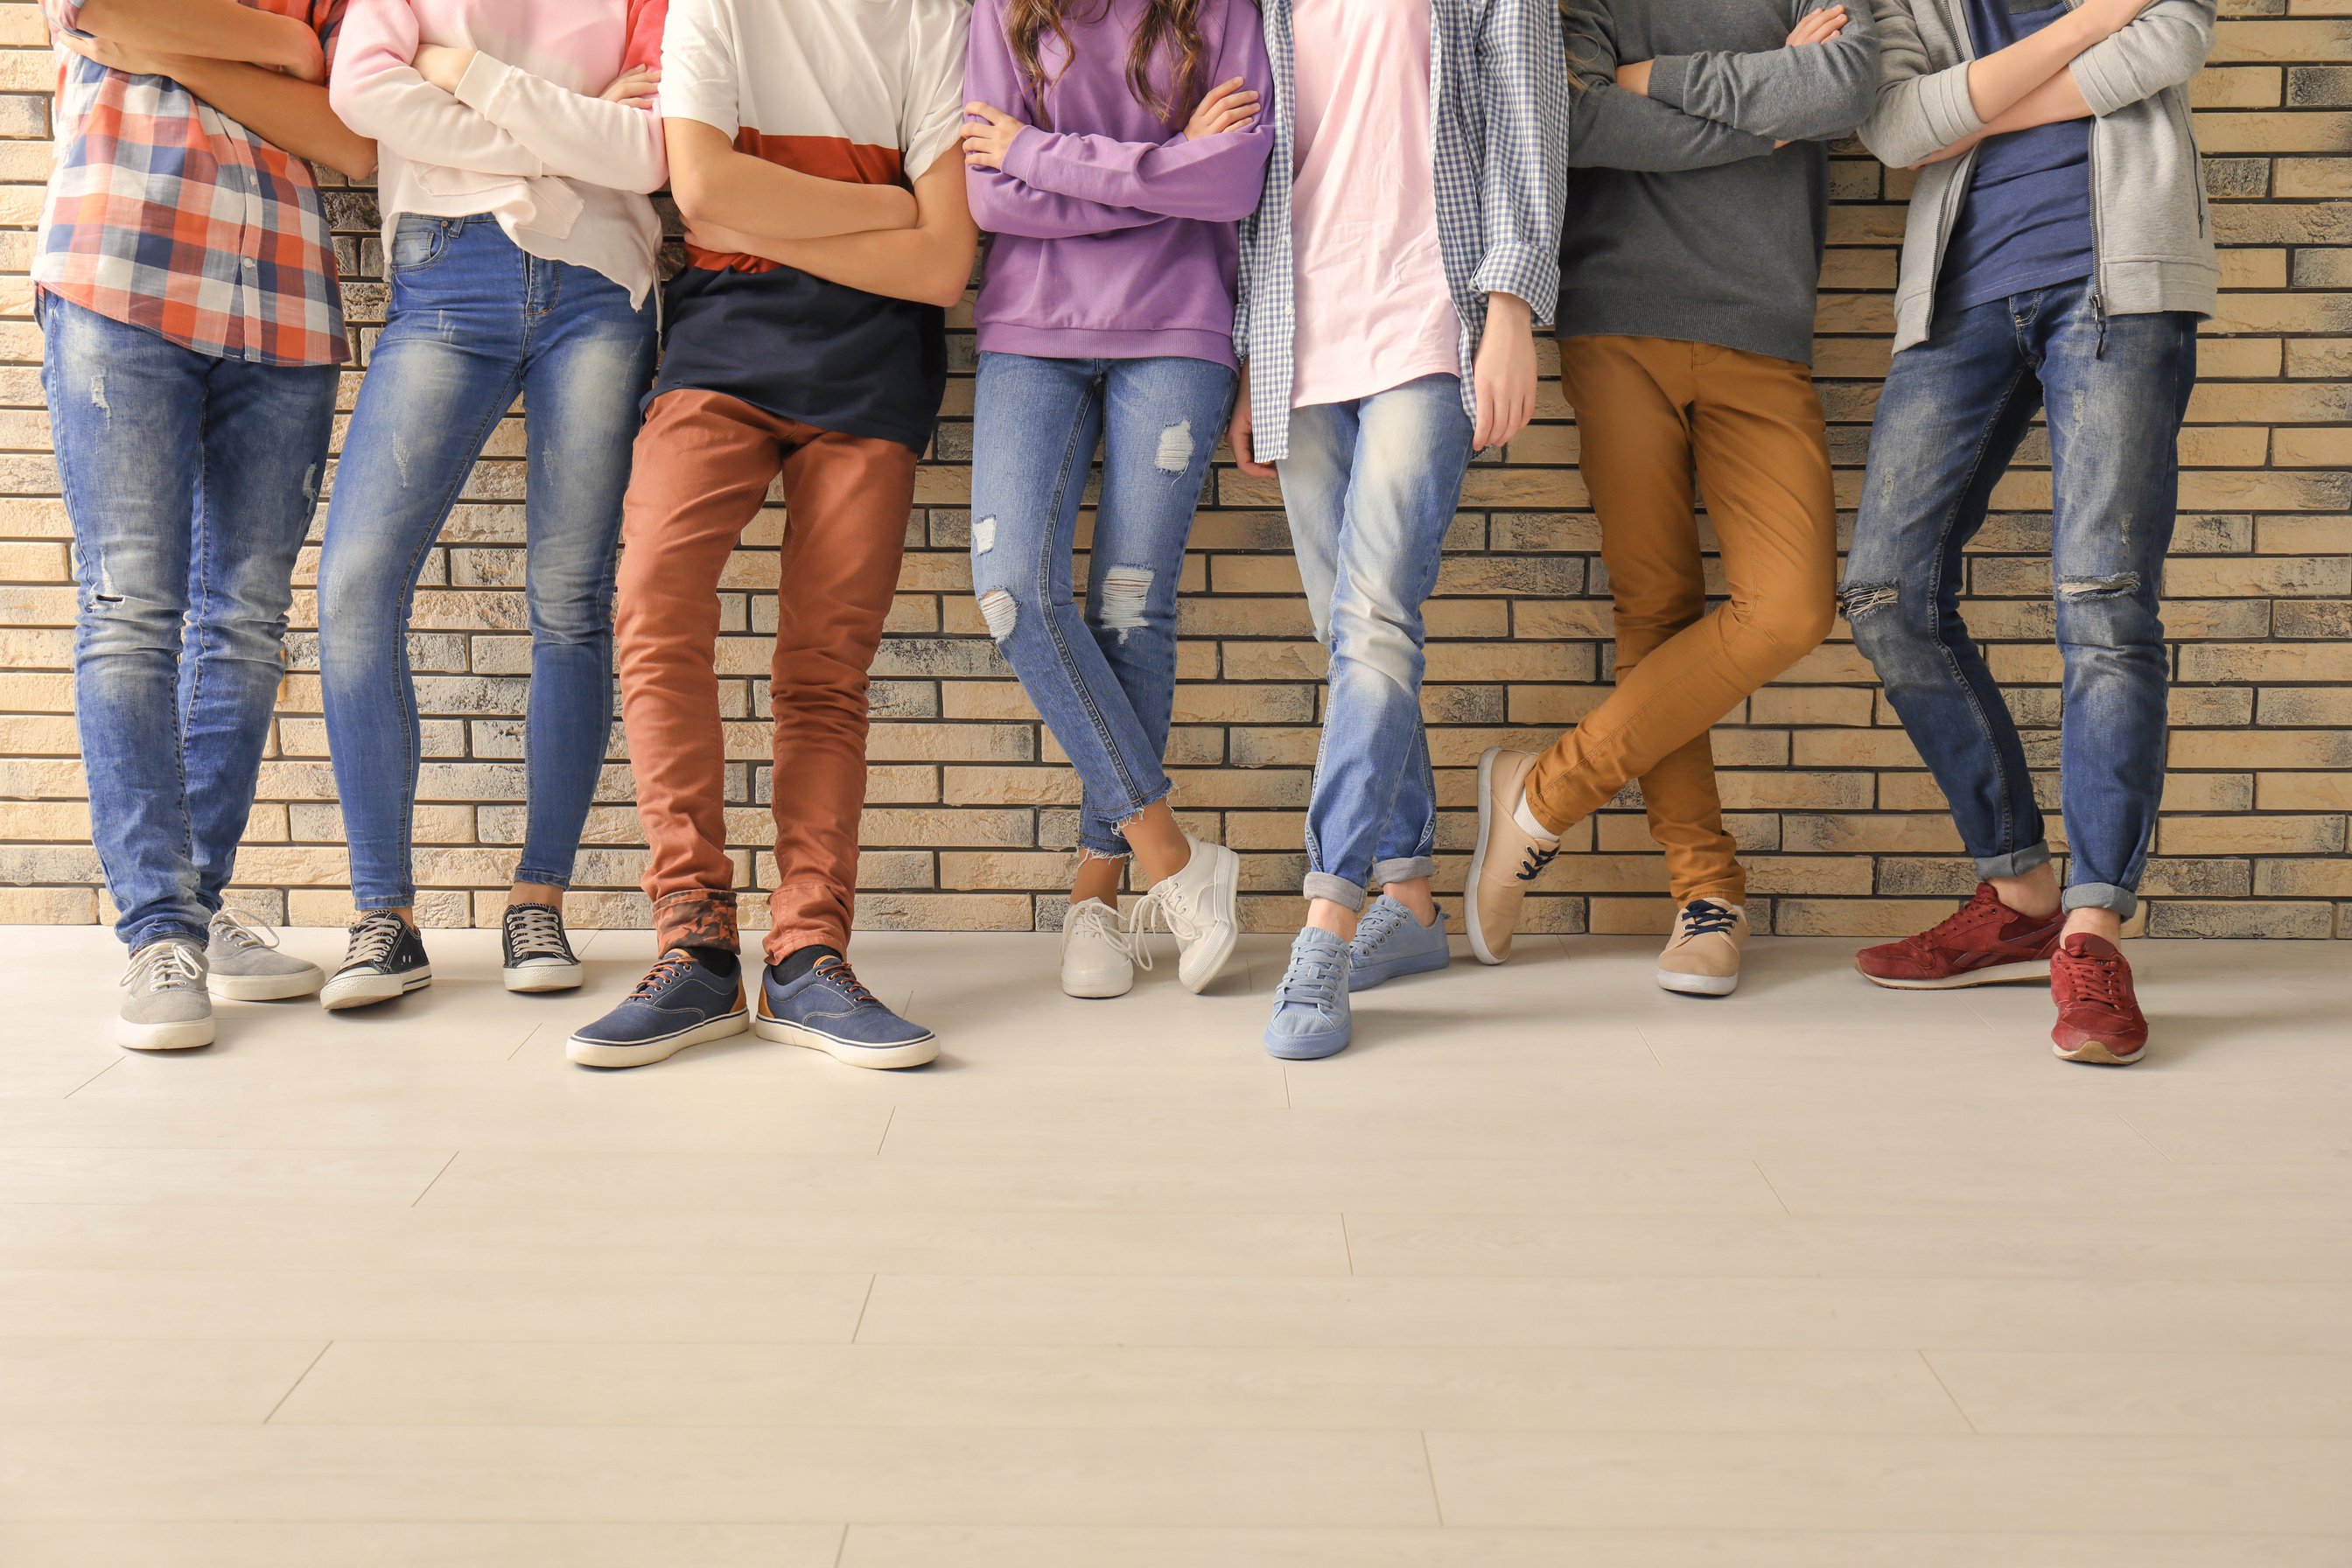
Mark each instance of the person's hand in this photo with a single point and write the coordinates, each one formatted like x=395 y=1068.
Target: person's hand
x=1239 y=434
x=1818 y=26
x=117 y=56
x=1229 y=106
x=986 y=143
x=2107 y=17
x=639 y=87
x=441 y=66
x=1634 y=77
x=1504 y=374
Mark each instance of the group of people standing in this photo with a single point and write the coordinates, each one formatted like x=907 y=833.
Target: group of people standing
x=1325 y=229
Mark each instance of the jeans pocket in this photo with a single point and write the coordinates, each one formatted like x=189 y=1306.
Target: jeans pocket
x=417 y=242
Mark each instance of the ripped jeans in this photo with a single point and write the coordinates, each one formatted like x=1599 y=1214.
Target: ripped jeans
x=1104 y=680
x=190 y=481
x=1370 y=486
x=1953 y=414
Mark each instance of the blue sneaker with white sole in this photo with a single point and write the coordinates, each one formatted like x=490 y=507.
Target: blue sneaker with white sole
x=679 y=1003
x=828 y=1010
x=1311 y=1016
x=1392 y=941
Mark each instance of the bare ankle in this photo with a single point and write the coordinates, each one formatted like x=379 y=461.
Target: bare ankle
x=1416 y=897
x=1323 y=914
x=2034 y=894
x=2106 y=924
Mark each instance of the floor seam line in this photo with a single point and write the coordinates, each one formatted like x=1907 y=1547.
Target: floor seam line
x=436 y=1176
x=1926 y=1361
x=298 y=1383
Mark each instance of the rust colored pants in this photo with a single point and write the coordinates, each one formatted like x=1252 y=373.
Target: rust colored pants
x=1651 y=414
x=703 y=466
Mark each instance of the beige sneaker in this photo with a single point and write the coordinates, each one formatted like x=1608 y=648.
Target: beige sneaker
x=1702 y=958
x=1507 y=856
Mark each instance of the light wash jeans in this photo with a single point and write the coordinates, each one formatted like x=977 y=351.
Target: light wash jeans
x=475 y=320
x=1104 y=680
x=1951 y=416
x=1370 y=487
x=189 y=481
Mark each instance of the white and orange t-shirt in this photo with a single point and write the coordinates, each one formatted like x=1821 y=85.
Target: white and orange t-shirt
x=867 y=91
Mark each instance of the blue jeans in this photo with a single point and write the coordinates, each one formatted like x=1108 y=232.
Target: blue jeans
x=1370 y=487
x=190 y=481
x=1952 y=414
x=1104 y=680
x=474 y=320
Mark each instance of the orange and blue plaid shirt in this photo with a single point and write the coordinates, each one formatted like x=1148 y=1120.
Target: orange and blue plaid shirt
x=166 y=214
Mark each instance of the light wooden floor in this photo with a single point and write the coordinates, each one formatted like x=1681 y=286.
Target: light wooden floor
x=1551 y=1268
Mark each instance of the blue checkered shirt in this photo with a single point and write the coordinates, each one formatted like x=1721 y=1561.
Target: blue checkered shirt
x=1499 y=112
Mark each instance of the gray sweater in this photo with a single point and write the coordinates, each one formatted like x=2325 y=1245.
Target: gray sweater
x=2151 y=238
x=1682 y=221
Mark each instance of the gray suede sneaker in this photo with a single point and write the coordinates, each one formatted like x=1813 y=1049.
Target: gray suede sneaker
x=168 y=1008
x=246 y=966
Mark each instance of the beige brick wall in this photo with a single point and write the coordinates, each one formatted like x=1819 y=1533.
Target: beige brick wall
x=969 y=820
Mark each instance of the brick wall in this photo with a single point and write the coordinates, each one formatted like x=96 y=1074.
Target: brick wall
x=971 y=819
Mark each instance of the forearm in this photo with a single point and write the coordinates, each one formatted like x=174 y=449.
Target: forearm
x=1808 y=92
x=1998 y=80
x=281 y=110
x=2059 y=99
x=579 y=137
x=1614 y=128
x=1215 y=179
x=209 y=29
x=930 y=263
x=718 y=187
x=1003 y=205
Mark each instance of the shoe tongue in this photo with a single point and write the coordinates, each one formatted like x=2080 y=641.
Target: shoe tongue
x=2082 y=944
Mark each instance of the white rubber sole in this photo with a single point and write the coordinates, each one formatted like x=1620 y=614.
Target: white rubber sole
x=367 y=990
x=1697 y=985
x=1998 y=974
x=1477 y=934
x=913 y=1053
x=593 y=1053
x=537 y=977
x=1201 y=965
x=265 y=987
x=181 y=1036
x=1096 y=990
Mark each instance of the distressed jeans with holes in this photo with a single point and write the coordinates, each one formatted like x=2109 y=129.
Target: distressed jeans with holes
x=475 y=321
x=1953 y=414
x=1370 y=487
x=1104 y=680
x=189 y=481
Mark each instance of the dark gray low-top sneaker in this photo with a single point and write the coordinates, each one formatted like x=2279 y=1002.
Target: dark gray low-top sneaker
x=386 y=959
x=246 y=966
x=679 y=1003
x=168 y=1008
x=539 y=955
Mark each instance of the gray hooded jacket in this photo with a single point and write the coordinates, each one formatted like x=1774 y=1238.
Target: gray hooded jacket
x=2151 y=238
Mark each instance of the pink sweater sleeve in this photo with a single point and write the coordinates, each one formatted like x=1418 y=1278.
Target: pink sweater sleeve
x=376 y=91
x=576 y=136
x=1217 y=179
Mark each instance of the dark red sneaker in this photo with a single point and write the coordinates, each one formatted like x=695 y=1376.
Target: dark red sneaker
x=1985 y=943
x=2099 y=1020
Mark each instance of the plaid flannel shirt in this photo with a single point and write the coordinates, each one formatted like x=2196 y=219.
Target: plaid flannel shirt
x=165 y=213
x=1499 y=113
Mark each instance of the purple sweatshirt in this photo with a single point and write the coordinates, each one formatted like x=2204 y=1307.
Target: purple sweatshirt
x=1114 y=235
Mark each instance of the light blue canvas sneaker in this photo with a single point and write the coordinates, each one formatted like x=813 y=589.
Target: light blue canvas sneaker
x=1311 y=1016
x=1393 y=942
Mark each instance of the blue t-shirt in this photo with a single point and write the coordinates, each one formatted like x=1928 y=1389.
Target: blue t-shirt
x=2026 y=223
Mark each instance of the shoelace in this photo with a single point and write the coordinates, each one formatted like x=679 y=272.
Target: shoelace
x=1141 y=917
x=166 y=965
x=1376 y=926
x=1312 y=980
x=373 y=938
x=1704 y=917
x=666 y=968
x=1538 y=858
x=241 y=929
x=538 y=931
x=2096 y=978
x=1095 y=918
x=845 y=979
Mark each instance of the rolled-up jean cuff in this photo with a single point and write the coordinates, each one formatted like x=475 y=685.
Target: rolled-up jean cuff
x=369 y=903
x=2016 y=863
x=1412 y=870
x=1335 y=889
x=149 y=932
x=2101 y=896
x=696 y=918
x=524 y=874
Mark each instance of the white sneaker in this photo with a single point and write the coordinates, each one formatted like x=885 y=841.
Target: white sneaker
x=1201 y=907
x=1097 y=959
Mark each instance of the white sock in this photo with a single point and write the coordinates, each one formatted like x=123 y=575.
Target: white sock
x=1527 y=823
